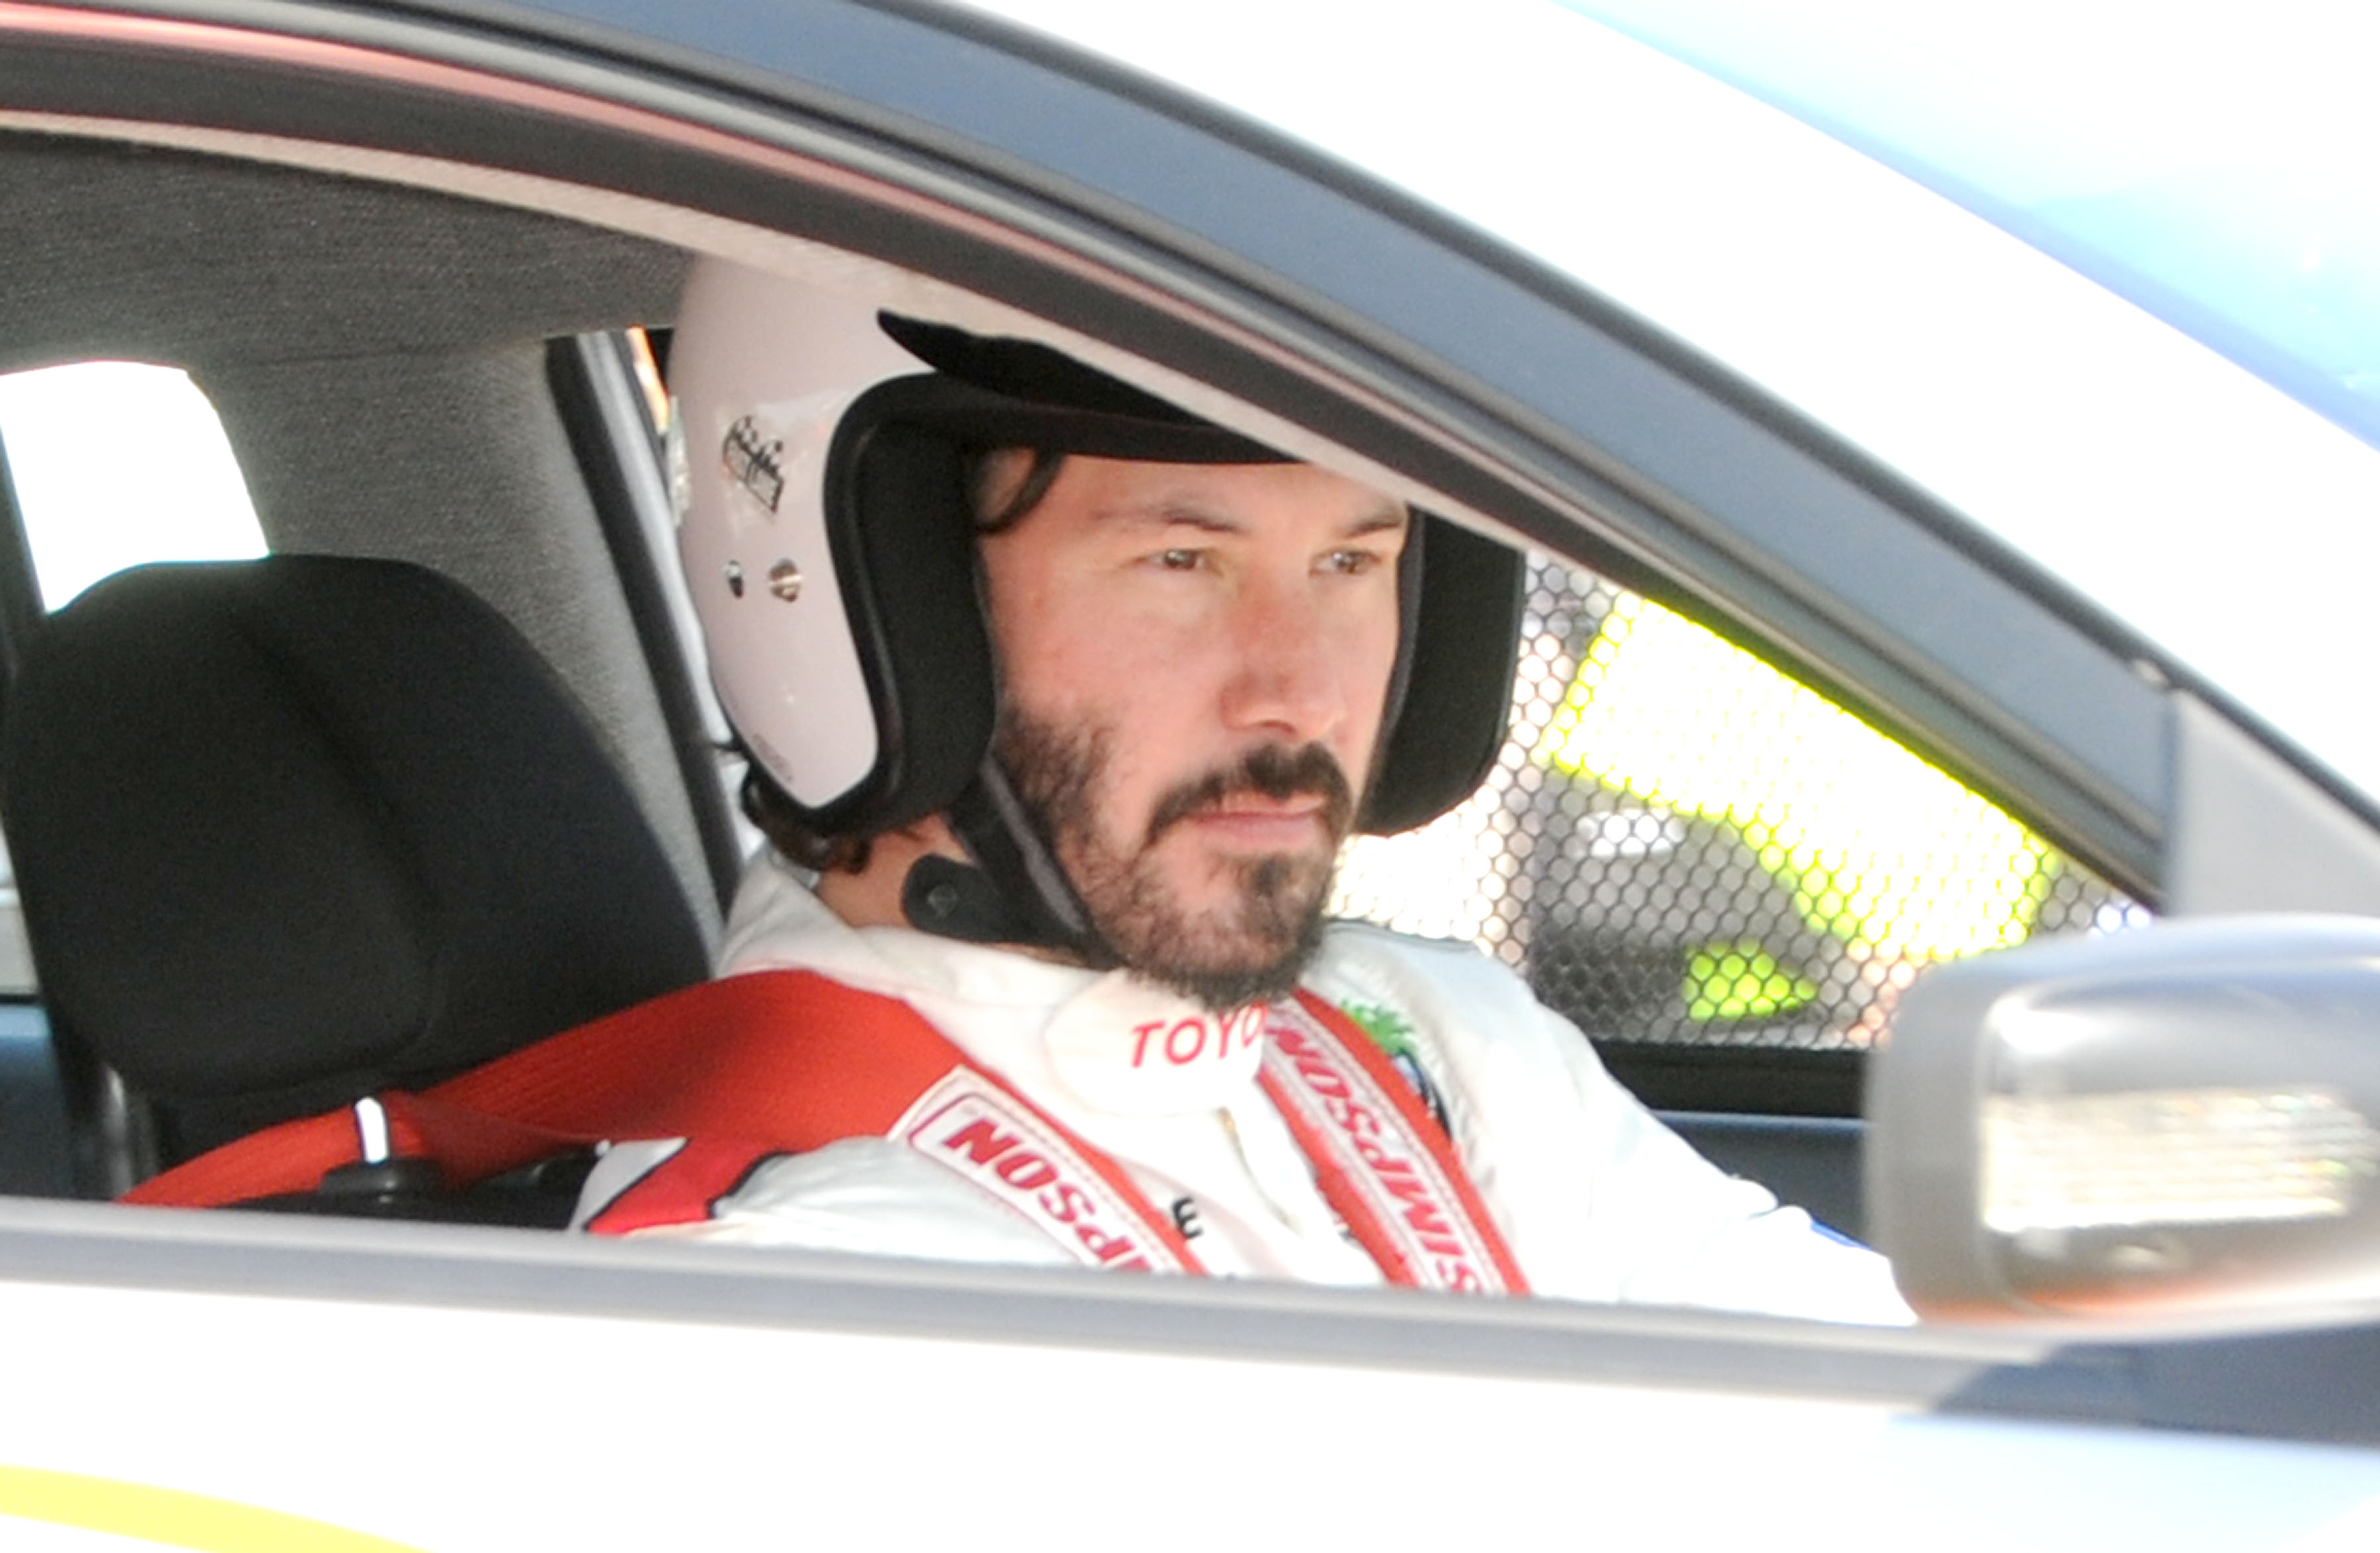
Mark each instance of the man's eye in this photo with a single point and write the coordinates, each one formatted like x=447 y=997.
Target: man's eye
x=1177 y=560
x=1351 y=563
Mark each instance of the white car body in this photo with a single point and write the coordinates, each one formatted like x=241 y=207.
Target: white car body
x=450 y=1387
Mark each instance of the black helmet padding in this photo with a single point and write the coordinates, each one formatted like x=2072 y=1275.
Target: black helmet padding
x=902 y=529
x=1465 y=640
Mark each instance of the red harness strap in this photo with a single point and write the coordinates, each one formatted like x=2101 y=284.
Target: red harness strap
x=967 y=1122
x=679 y=1062
x=785 y=1062
x=774 y=1063
x=1383 y=1161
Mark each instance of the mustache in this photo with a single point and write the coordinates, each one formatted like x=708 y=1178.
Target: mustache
x=1273 y=771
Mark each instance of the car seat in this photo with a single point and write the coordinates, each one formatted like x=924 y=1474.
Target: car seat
x=295 y=831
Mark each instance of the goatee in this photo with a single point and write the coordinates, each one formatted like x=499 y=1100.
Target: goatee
x=1249 y=948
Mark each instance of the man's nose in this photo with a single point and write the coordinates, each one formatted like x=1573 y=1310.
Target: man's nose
x=1283 y=675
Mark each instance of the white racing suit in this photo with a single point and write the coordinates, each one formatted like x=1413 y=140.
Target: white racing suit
x=1596 y=1198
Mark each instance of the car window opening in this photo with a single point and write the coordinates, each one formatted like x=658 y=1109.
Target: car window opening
x=117 y=463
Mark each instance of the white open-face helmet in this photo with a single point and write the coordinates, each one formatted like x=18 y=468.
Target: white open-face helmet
x=822 y=473
x=762 y=370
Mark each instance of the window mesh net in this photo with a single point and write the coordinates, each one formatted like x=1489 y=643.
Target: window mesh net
x=1679 y=845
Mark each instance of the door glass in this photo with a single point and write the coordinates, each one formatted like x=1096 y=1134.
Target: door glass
x=1681 y=845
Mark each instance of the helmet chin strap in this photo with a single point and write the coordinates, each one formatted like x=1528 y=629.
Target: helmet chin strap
x=1015 y=891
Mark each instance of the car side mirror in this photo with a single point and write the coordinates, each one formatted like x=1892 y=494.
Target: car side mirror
x=2176 y=1121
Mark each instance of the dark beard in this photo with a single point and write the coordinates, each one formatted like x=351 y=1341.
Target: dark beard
x=1250 y=950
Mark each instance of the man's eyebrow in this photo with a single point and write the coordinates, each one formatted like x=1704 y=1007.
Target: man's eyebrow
x=1191 y=513
x=1168 y=510
x=1390 y=513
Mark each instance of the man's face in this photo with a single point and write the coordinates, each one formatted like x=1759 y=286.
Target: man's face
x=1194 y=659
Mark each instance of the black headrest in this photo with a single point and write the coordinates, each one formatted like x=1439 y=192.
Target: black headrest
x=291 y=830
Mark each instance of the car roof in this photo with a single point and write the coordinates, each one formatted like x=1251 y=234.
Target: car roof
x=2241 y=216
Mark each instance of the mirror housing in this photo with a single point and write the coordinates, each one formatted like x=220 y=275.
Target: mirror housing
x=2175 y=1121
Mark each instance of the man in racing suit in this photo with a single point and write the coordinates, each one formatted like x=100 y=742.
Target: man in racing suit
x=1194 y=662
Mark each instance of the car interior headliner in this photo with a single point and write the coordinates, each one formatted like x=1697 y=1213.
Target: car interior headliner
x=144 y=252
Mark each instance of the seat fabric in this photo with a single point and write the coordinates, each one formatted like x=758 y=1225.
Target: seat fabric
x=292 y=830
